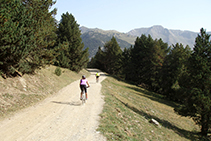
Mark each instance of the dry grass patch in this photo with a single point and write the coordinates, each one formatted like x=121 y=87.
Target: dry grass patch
x=20 y=92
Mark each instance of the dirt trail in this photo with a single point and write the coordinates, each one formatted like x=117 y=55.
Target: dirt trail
x=59 y=118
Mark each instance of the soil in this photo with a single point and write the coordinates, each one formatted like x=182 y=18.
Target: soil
x=60 y=117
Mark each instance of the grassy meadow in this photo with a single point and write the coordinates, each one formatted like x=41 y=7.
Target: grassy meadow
x=128 y=110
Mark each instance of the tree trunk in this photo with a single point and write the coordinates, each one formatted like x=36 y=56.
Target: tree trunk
x=204 y=125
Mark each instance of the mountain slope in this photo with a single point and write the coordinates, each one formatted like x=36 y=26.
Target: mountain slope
x=94 y=37
x=167 y=35
x=97 y=38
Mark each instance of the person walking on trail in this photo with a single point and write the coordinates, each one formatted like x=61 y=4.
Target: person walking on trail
x=83 y=85
x=97 y=76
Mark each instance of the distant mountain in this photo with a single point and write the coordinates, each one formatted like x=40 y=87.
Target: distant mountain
x=167 y=35
x=110 y=33
x=94 y=37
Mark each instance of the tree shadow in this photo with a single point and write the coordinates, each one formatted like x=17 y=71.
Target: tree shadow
x=153 y=96
x=164 y=123
x=68 y=103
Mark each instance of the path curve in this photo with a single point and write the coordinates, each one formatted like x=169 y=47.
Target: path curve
x=60 y=117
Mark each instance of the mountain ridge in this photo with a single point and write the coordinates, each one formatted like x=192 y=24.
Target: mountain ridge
x=95 y=37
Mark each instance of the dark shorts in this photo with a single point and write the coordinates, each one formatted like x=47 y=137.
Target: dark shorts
x=97 y=76
x=83 y=87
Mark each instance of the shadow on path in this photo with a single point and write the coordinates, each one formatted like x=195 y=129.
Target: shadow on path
x=68 y=103
x=93 y=70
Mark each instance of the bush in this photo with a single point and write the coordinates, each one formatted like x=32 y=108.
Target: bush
x=58 y=71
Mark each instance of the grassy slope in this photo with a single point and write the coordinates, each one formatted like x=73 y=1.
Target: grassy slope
x=128 y=110
x=20 y=92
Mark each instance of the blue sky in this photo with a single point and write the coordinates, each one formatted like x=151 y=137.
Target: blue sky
x=125 y=15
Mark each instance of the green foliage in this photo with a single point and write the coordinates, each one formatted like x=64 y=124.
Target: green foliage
x=58 y=71
x=110 y=58
x=13 y=37
x=27 y=32
x=126 y=64
x=195 y=84
x=173 y=67
x=62 y=58
x=97 y=60
x=44 y=27
x=147 y=58
x=70 y=46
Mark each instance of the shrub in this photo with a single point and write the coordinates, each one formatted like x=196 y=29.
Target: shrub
x=58 y=71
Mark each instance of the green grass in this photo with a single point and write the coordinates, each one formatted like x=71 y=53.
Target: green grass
x=6 y=95
x=128 y=110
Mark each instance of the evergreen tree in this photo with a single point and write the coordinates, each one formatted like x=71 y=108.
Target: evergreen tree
x=112 y=61
x=110 y=58
x=196 y=84
x=127 y=64
x=157 y=53
x=174 y=66
x=25 y=35
x=147 y=59
x=43 y=27
x=62 y=59
x=13 y=36
x=68 y=31
x=139 y=54
x=98 y=60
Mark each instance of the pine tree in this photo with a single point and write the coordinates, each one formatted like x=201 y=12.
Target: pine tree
x=196 y=84
x=109 y=59
x=62 y=59
x=127 y=64
x=174 y=66
x=14 y=38
x=157 y=53
x=112 y=57
x=139 y=54
x=147 y=59
x=68 y=31
x=43 y=27
x=25 y=35
x=98 y=60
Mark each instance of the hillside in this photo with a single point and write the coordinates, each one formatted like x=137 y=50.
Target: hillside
x=167 y=35
x=20 y=92
x=94 y=37
x=130 y=111
x=60 y=117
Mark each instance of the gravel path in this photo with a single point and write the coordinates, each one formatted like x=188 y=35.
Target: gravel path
x=59 y=118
